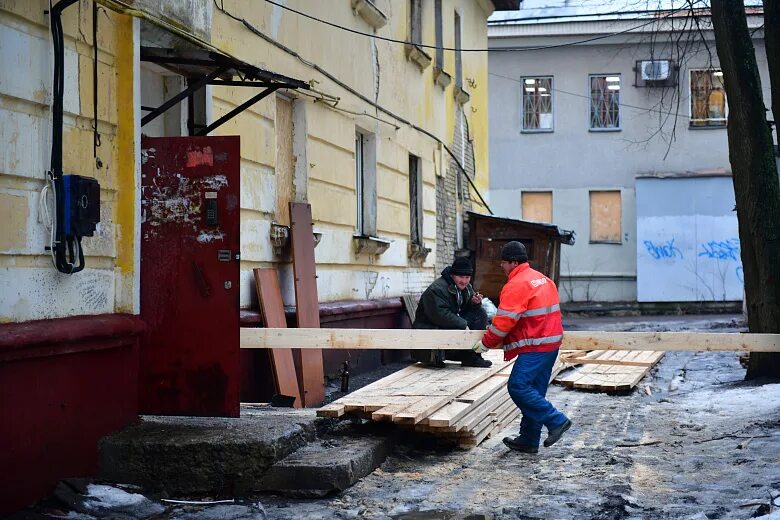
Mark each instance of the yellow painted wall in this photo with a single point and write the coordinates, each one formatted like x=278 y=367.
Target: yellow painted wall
x=32 y=289
x=30 y=286
x=361 y=63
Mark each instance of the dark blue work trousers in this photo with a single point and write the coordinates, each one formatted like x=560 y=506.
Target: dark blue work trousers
x=528 y=387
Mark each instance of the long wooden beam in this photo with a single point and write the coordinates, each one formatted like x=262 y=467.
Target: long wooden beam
x=399 y=339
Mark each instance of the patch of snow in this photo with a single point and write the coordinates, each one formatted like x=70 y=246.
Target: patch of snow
x=109 y=497
x=101 y=498
x=72 y=515
x=734 y=403
x=770 y=516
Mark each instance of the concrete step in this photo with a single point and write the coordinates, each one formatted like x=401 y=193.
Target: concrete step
x=326 y=466
x=185 y=456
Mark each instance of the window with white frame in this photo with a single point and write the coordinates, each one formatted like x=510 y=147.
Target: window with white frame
x=537 y=104
x=708 y=98
x=605 y=102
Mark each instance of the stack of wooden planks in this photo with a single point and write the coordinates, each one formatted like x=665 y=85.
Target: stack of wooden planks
x=607 y=370
x=463 y=404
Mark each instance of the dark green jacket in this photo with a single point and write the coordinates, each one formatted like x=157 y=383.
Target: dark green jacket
x=438 y=307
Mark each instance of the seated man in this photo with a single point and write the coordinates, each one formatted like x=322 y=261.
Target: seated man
x=451 y=303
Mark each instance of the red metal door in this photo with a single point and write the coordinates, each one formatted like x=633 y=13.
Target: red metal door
x=189 y=359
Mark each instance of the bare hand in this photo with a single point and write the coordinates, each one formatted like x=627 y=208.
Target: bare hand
x=476 y=299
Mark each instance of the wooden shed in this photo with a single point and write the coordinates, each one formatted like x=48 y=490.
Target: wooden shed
x=487 y=235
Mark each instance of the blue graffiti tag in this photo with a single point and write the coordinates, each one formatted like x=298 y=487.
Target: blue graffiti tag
x=740 y=274
x=659 y=251
x=721 y=250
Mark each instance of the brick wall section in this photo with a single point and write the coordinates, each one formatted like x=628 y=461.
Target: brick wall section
x=448 y=189
x=415 y=282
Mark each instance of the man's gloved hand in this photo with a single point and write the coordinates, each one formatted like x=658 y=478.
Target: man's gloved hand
x=479 y=347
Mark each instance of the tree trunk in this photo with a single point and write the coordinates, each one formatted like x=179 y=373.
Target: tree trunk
x=772 y=45
x=755 y=178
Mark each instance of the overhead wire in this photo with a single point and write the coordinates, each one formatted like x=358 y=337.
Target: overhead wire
x=462 y=49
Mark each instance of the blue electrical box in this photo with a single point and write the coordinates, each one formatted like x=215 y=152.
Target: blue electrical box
x=81 y=197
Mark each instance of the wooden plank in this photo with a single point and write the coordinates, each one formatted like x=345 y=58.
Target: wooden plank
x=404 y=339
x=450 y=413
x=621 y=372
x=420 y=410
x=331 y=410
x=306 y=300
x=272 y=310
x=410 y=304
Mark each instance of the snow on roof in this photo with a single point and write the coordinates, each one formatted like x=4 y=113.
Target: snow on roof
x=546 y=11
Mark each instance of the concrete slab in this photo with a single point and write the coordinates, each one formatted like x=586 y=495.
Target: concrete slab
x=326 y=467
x=193 y=455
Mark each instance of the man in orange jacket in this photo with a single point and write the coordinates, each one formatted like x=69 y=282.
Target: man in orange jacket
x=528 y=326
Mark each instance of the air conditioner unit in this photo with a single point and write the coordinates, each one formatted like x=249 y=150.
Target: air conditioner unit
x=655 y=70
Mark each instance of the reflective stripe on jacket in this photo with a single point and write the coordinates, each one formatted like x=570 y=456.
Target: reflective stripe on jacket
x=528 y=317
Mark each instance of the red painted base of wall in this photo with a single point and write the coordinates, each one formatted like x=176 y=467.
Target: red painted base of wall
x=64 y=384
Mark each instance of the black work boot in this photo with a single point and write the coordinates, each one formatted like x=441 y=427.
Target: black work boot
x=517 y=444
x=476 y=360
x=555 y=434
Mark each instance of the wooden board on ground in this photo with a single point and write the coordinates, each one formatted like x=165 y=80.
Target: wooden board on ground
x=306 y=300
x=404 y=339
x=272 y=309
x=610 y=371
x=463 y=404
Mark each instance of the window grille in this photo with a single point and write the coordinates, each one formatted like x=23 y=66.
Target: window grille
x=605 y=102
x=537 y=104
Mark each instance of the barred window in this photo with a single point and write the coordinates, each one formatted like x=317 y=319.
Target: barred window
x=537 y=104
x=708 y=98
x=605 y=102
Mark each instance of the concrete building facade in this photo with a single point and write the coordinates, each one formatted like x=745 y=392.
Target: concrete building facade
x=585 y=100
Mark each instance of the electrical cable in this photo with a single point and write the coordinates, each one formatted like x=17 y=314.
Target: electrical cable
x=49 y=221
x=498 y=49
x=96 y=135
x=65 y=263
x=355 y=93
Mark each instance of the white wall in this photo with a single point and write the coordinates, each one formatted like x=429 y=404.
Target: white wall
x=688 y=240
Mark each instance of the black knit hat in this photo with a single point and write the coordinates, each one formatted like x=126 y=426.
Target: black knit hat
x=514 y=251
x=461 y=267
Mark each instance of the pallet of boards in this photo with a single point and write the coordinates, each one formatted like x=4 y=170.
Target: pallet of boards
x=463 y=404
x=607 y=370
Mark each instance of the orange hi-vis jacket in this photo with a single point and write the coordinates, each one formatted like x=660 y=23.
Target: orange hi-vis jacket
x=528 y=317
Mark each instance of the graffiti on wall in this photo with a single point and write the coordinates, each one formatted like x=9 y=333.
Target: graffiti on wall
x=698 y=261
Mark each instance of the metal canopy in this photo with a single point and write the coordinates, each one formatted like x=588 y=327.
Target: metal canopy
x=201 y=68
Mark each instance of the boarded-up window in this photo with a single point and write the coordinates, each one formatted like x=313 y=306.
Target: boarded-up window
x=284 y=159
x=605 y=216
x=537 y=206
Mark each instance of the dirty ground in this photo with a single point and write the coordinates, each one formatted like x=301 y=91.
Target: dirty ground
x=693 y=441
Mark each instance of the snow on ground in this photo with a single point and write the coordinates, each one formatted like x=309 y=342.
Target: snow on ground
x=735 y=404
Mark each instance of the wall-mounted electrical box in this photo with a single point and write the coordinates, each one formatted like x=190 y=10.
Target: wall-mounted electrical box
x=81 y=197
